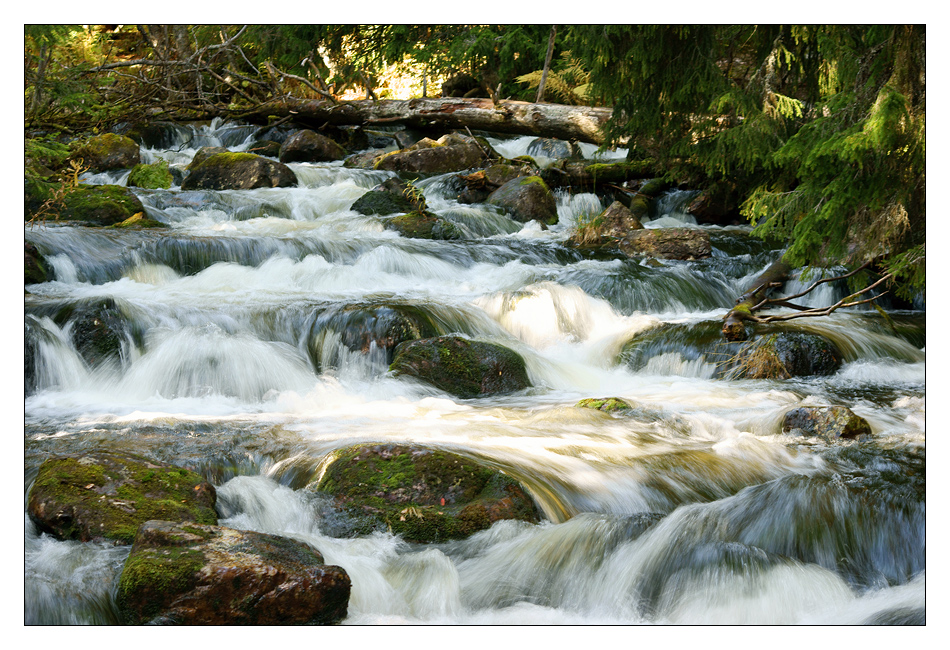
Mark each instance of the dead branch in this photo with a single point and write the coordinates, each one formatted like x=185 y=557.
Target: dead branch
x=825 y=311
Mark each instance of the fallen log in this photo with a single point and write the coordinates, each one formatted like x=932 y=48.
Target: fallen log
x=583 y=123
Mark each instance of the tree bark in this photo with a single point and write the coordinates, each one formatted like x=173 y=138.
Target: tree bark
x=547 y=64
x=581 y=123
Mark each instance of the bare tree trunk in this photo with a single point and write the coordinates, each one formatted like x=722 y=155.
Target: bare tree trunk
x=547 y=64
x=37 y=100
x=582 y=123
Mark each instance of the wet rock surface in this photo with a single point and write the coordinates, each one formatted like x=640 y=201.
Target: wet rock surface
x=460 y=366
x=108 y=495
x=191 y=574
x=423 y=495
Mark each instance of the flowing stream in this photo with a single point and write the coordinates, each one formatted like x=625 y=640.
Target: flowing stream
x=694 y=509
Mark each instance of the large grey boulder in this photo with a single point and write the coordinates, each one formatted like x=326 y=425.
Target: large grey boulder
x=236 y=171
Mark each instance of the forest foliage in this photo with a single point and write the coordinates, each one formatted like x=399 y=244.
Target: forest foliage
x=818 y=131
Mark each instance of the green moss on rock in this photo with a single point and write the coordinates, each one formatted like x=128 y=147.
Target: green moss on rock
x=424 y=495
x=460 y=366
x=194 y=574
x=108 y=151
x=153 y=177
x=107 y=496
x=424 y=225
x=102 y=205
x=605 y=404
x=139 y=220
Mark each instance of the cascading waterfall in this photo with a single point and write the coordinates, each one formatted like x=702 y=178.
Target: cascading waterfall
x=246 y=355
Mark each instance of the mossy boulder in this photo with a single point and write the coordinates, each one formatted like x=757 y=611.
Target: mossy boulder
x=606 y=229
x=203 y=154
x=479 y=185
x=526 y=199
x=382 y=203
x=423 y=495
x=827 y=422
x=439 y=159
x=667 y=243
x=309 y=146
x=423 y=225
x=35 y=267
x=107 y=495
x=461 y=367
x=108 y=151
x=98 y=205
x=155 y=176
x=368 y=328
x=782 y=355
x=390 y=197
x=193 y=574
x=236 y=171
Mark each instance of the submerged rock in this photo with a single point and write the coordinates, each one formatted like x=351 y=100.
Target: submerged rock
x=461 y=367
x=526 y=199
x=236 y=171
x=423 y=495
x=308 y=146
x=108 y=495
x=191 y=574
x=605 y=404
x=827 y=422
x=423 y=225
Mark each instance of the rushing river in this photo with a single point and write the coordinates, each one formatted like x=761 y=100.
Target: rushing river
x=695 y=509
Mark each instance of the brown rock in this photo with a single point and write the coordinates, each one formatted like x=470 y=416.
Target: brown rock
x=668 y=243
x=308 y=146
x=190 y=574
